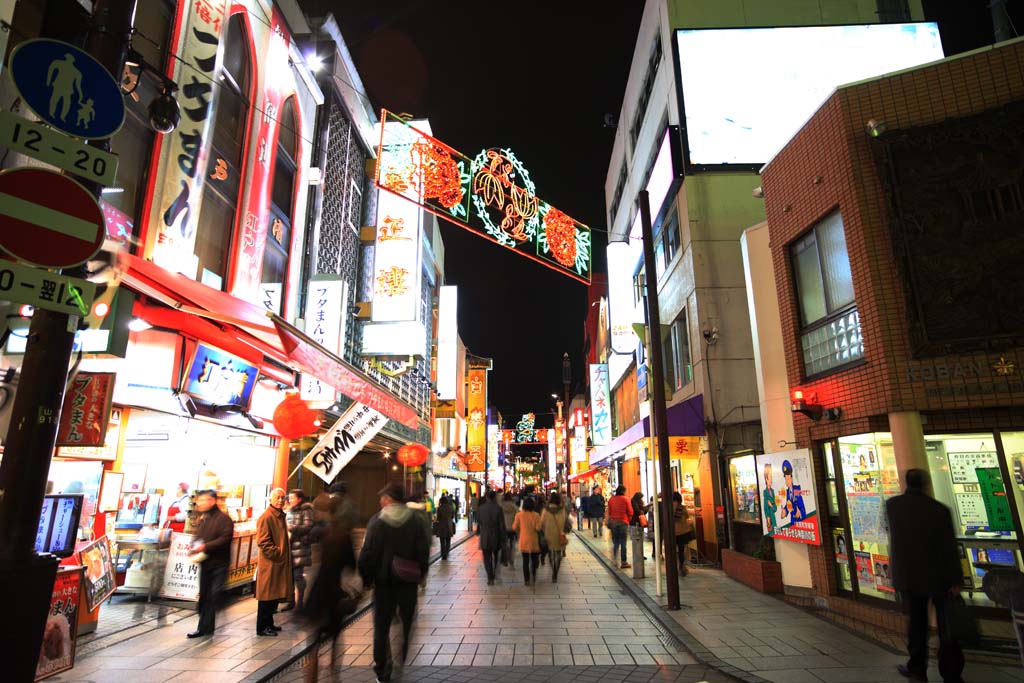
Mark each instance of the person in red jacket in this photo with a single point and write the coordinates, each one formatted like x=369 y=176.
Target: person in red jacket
x=619 y=514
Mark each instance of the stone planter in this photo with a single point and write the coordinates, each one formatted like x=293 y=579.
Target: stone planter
x=761 y=575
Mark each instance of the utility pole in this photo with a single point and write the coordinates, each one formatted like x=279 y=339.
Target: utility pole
x=27 y=577
x=566 y=383
x=656 y=387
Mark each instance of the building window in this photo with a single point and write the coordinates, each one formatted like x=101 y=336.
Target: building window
x=646 y=90
x=221 y=192
x=620 y=187
x=680 y=337
x=743 y=490
x=831 y=334
x=133 y=143
x=666 y=243
x=282 y=200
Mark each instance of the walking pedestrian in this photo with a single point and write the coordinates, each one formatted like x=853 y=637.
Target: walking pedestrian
x=619 y=514
x=925 y=567
x=213 y=540
x=274 y=564
x=490 y=525
x=584 y=511
x=639 y=518
x=682 y=527
x=474 y=503
x=595 y=508
x=444 y=525
x=328 y=603
x=300 y=522
x=509 y=509
x=527 y=526
x=393 y=560
x=346 y=511
x=552 y=525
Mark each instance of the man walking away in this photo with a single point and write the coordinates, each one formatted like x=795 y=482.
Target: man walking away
x=582 y=511
x=595 y=508
x=300 y=523
x=490 y=524
x=274 y=565
x=346 y=512
x=925 y=566
x=444 y=525
x=474 y=503
x=508 y=548
x=393 y=560
x=213 y=538
x=619 y=514
x=552 y=524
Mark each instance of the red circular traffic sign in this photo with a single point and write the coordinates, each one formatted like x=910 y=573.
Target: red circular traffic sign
x=48 y=219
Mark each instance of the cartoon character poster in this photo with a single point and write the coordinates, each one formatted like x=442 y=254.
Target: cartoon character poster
x=788 y=506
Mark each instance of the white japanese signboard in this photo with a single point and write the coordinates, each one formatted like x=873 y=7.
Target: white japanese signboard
x=181 y=576
x=325 y=302
x=396 y=260
x=600 y=410
x=343 y=441
x=447 y=343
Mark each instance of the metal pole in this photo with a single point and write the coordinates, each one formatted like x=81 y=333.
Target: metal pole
x=656 y=388
x=27 y=577
x=656 y=515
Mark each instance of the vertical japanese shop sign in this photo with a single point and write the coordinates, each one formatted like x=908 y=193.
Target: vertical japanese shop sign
x=447 y=343
x=325 y=301
x=476 y=421
x=60 y=634
x=600 y=413
x=181 y=170
x=86 y=412
x=278 y=84
x=396 y=260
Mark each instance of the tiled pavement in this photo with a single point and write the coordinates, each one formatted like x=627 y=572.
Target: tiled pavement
x=765 y=637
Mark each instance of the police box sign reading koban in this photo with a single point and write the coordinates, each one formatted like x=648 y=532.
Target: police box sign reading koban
x=343 y=441
x=788 y=506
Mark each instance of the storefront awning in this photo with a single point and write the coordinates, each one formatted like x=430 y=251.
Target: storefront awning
x=193 y=305
x=684 y=419
x=583 y=476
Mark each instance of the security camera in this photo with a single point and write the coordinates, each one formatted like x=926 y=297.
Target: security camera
x=758 y=193
x=164 y=113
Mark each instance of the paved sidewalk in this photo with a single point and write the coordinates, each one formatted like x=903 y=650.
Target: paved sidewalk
x=581 y=629
x=155 y=651
x=768 y=638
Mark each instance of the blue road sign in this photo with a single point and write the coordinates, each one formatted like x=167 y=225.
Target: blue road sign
x=67 y=88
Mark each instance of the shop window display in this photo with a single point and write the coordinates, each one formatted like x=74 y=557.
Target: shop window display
x=743 y=489
x=869 y=478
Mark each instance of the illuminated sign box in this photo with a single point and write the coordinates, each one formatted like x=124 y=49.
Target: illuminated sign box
x=395 y=339
x=447 y=343
x=219 y=378
x=491 y=195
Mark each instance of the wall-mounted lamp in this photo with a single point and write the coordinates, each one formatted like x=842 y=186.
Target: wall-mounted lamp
x=811 y=409
x=876 y=127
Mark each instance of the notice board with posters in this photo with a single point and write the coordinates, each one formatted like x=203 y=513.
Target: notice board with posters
x=788 y=507
x=60 y=633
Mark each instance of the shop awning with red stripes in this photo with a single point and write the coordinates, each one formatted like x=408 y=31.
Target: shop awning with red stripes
x=583 y=476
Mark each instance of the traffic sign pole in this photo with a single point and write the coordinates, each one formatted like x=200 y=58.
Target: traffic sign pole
x=26 y=578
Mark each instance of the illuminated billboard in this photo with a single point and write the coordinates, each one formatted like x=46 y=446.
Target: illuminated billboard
x=447 y=344
x=476 y=421
x=747 y=91
x=491 y=195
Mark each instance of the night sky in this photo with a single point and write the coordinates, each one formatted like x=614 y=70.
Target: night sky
x=536 y=76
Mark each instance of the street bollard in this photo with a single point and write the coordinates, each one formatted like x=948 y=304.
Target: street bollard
x=636 y=535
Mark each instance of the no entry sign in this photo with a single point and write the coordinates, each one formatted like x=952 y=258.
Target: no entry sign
x=48 y=219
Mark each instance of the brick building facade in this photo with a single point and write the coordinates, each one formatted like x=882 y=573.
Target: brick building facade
x=918 y=337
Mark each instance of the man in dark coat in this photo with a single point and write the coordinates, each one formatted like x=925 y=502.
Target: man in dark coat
x=394 y=543
x=444 y=525
x=213 y=534
x=595 y=508
x=274 y=564
x=300 y=522
x=925 y=566
x=490 y=524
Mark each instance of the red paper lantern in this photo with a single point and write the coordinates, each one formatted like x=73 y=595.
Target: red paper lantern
x=293 y=418
x=413 y=454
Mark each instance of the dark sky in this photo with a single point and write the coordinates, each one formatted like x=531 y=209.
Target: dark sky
x=536 y=76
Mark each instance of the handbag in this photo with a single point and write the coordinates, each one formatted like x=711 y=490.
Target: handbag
x=961 y=623
x=642 y=520
x=407 y=571
x=567 y=527
x=563 y=539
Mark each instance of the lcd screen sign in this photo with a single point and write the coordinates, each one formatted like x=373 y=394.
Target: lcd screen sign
x=747 y=91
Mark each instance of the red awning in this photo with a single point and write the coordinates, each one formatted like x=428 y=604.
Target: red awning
x=195 y=305
x=589 y=474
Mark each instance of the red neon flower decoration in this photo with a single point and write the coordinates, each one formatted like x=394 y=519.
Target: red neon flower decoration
x=560 y=232
x=440 y=173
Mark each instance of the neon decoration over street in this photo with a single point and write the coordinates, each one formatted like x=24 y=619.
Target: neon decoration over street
x=525 y=432
x=491 y=195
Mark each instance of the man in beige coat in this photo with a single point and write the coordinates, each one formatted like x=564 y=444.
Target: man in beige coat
x=274 y=566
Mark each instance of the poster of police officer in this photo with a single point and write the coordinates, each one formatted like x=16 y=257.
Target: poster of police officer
x=789 y=509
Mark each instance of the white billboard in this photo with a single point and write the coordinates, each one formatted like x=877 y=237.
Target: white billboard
x=396 y=260
x=623 y=258
x=747 y=91
x=447 y=343
x=326 y=299
x=395 y=339
x=600 y=405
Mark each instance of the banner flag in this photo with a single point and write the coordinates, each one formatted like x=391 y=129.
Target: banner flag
x=343 y=441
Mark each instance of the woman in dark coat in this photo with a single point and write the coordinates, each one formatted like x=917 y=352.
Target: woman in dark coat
x=444 y=525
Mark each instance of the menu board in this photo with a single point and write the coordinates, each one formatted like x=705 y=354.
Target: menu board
x=58 y=524
x=971 y=507
x=963 y=466
x=99 y=572
x=58 y=650
x=181 y=575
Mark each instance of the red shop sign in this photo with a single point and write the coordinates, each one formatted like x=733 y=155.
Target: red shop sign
x=86 y=412
x=59 y=638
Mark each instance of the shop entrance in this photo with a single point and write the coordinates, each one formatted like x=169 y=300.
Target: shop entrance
x=978 y=476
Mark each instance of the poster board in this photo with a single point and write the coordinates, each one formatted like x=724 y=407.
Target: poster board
x=60 y=633
x=110 y=491
x=99 y=572
x=789 y=507
x=181 y=575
